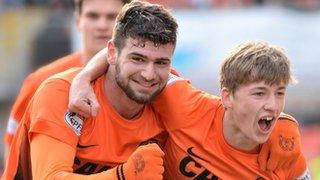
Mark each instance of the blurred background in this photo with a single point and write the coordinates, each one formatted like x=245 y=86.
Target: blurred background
x=34 y=32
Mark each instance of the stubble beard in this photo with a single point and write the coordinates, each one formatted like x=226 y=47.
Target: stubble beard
x=128 y=90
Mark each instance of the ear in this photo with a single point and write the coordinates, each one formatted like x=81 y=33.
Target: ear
x=112 y=53
x=226 y=97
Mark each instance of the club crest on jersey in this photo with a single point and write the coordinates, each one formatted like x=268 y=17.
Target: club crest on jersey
x=74 y=121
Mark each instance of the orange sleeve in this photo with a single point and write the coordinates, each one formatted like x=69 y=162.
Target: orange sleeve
x=30 y=86
x=180 y=104
x=53 y=159
x=47 y=114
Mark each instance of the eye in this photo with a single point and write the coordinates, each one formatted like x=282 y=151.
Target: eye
x=91 y=15
x=259 y=94
x=162 y=62
x=111 y=16
x=137 y=59
x=281 y=93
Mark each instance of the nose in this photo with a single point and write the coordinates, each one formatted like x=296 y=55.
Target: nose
x=149 y=73
x=272 y=103
x=102 y=23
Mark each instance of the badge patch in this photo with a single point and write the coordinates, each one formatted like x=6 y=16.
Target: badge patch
x=74 y=121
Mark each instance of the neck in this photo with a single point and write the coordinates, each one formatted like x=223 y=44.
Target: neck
x=235 y=137
x=126 y=107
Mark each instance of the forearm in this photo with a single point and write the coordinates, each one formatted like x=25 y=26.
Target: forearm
x=52 y=159
x=82 y=99
x=96 y=67
x=108 y=175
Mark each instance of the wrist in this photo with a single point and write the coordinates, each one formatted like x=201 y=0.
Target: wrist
x=83 y=76
x=119 y=172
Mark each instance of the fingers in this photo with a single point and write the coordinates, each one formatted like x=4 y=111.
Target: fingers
x=94 y=105
x=80 y=107
x=263 y=157
x=290 y=163
x=154 y=149
x=279 y=165
x=82 y=99
x=282 y=147
x=146 y=162
x=273 y=162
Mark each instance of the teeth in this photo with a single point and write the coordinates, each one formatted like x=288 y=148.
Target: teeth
x=267 y=118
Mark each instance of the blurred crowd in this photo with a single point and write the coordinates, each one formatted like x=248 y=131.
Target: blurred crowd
x=179 y=4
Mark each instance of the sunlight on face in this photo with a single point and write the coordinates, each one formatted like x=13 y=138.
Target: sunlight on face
x=255 y=109
x=142 y=69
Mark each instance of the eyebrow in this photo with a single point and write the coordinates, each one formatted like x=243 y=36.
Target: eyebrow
x=282 y=88
x=263 y=88
x=146 y=57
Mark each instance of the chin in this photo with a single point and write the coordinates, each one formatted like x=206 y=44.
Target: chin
x=262 y=139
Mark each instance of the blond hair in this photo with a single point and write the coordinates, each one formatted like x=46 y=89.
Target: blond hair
x=255 y=62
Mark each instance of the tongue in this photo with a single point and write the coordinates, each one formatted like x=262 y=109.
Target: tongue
x=263 y=125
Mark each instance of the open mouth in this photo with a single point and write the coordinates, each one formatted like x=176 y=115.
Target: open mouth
x=265 y=123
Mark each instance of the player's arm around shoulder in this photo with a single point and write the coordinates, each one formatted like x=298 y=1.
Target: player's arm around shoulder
x=283 y=147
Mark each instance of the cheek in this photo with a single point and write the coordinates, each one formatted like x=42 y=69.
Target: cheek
x=163 y=74
x=86 y=25
x=128 y=70
x=281 y=105
x=246 y=109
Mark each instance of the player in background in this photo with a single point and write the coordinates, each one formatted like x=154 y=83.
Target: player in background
x=53 y=142
x=95 y=21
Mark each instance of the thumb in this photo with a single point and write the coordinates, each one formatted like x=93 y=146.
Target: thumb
x=80 y=107
x=273 y=163
x=263 y=157
x=94 y=105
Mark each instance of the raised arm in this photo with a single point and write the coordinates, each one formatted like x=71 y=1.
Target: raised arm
x=283 y=146
x=81 y=96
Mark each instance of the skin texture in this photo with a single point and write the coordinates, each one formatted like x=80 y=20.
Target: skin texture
x=137 y=74
x=246 y=107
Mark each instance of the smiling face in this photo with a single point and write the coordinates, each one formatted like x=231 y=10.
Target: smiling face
x=96 y=21
x=253 y=110
x=142 y=68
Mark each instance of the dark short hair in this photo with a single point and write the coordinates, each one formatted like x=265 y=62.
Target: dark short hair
x=145 y=22
x=78 y=5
